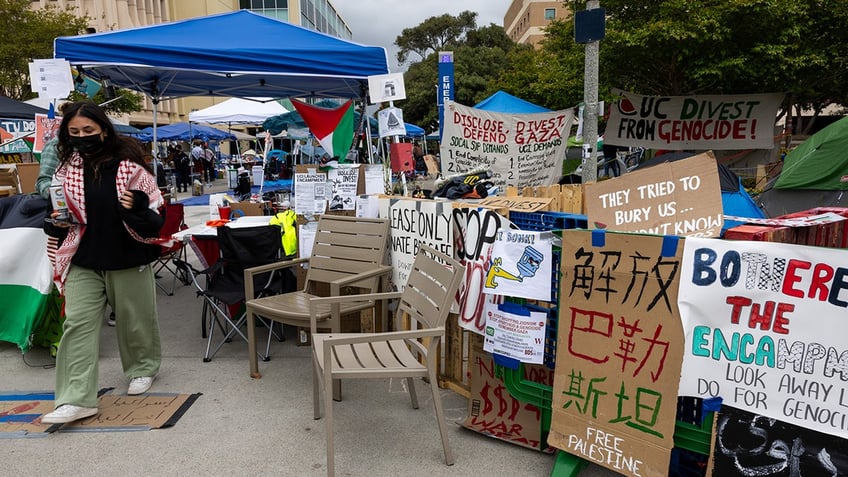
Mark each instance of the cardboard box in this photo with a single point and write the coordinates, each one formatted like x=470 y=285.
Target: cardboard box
x=9 y=178
x=28 y=173
x=493 y=411
x=237 y=209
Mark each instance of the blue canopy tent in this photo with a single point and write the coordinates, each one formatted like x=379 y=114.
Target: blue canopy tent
x=234 y=54
x=187 y=132
x=502 y=102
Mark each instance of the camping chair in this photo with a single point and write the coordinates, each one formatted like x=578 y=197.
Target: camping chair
x=347 y=257
x=224 y=289
x=164 y=265
x=413 y=352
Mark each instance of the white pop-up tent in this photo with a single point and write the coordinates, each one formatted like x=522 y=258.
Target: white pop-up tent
x=238 y=111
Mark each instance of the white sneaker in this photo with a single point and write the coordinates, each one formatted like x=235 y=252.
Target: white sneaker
x=68 y=413
x=140 y=385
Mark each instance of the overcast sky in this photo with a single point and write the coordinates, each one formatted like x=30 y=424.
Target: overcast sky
x=379 y=22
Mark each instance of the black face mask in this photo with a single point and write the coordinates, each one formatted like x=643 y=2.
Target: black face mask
x=86 y=144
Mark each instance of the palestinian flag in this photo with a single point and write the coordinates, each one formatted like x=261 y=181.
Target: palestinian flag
x=25 y=270
x=332 y=127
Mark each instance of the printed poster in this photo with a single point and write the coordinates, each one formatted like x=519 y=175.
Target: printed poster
x=343 y=182
x=521 y=150
x=674 y=198
x=521 y=265
x=390 y=122
x=515 y=332
x=765 y=327
x=716 y=122
x=45 y=130
x=310 y=193
x=619 y=348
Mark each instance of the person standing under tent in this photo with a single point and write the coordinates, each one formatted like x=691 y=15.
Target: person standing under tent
x=208 y=164
x=197 y=156
x=182 y=163
x=107 y=243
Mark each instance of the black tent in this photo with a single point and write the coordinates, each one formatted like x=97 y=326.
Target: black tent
x=14 y=109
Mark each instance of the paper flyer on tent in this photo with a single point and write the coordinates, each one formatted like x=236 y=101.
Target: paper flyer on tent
x=764 y=326
x=521 y=265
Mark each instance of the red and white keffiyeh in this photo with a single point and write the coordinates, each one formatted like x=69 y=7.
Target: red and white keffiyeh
x=131 y=176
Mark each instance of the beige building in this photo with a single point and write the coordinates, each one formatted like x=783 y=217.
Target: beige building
x=525 y=20
x=109 y=15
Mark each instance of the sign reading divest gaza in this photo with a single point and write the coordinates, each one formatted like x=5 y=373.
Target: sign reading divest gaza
x=694 y=122
x=522 y=150
x=675 y=198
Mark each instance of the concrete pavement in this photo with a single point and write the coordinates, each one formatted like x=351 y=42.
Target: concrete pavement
x=244 y=426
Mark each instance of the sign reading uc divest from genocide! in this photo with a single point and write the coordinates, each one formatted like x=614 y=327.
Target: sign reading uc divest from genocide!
x=765 y=327
x=694 y=122
x=522 y=150
x=619 y=347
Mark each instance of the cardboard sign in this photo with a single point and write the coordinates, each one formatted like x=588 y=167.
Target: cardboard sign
x=493 y=411
x=676 y=198
x=765 y=330
x=522 y=150
x=516 y=204
x=694 y=122
x=619 y=347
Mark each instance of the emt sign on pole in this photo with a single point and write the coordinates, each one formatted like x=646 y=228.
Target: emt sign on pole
x=445 y=86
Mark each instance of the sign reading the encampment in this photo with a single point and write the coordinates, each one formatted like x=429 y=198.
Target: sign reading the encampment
x=675 y=198
x=694 y=122
x=522 y=150
x=765 y=326
x=619 y=348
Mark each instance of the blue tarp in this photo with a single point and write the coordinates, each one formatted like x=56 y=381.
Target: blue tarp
x=502 y=102
x=237 y=54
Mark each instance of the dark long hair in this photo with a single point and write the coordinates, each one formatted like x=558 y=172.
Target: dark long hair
x=114 y=145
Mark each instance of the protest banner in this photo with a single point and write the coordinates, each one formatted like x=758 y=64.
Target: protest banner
x=675 y=198
x=619 y=347
x=412 y=223
x=715 y=122
x=474 y=233
x=522 y=150
x=764 y=326
x=15 y=129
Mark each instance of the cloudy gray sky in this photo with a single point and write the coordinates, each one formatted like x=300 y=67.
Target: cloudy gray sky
x=379 y=22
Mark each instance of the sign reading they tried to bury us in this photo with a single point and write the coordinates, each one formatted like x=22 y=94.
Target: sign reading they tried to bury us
x=619 y=350
x=674 y=198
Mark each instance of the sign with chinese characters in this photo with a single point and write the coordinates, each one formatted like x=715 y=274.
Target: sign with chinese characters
x=619 y=348
x=674 y=198
x=765 y=330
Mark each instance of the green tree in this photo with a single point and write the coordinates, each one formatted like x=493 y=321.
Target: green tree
x=434 y=34
x=28 y=35
x=480 y=54
x=687 y=47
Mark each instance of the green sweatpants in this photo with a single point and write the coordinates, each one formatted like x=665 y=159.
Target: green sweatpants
x=132 y=295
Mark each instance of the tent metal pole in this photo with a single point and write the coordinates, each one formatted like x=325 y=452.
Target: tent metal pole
x=153 y=144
